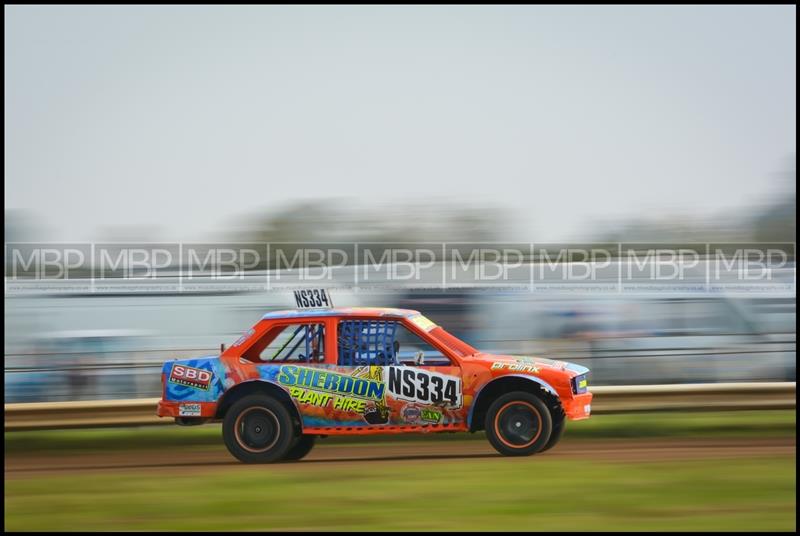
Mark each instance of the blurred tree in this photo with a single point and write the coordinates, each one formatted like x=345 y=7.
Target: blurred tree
x=21 y=226
x=349 y=220
x=769 y=220
x=777 y=221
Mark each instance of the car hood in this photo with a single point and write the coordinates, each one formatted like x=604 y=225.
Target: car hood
x=540 y=362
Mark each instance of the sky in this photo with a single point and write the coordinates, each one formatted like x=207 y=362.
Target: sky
x=185 y=118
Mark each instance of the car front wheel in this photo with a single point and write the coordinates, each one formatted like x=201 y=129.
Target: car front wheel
x=518 y=424
x=559 y=425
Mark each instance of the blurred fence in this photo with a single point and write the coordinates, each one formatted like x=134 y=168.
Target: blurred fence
x=62 y=344
x=61 y=377
x=607 y=399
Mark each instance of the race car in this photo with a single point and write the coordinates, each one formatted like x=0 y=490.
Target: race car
x=297 y=375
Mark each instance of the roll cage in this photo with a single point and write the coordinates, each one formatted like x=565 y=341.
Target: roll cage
x=348 y=340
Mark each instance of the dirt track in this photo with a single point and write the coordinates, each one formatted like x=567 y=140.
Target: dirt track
x=195 y=460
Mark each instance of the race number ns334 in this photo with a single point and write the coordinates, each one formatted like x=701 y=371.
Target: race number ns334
x=311 y=298
x=423 y=386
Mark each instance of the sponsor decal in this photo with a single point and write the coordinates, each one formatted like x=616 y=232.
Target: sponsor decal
x=307 y=396
x=423 y=386
x=411 y=413
x=515 y=367
x=544 y=361
x=431 y=415
x=353 y=405
x=331 y=382
x=189 y=410
x=375 y=414
x=422 y=323
x=323 y=400
x=361 y=393
x=190 y=377
x=587 y=409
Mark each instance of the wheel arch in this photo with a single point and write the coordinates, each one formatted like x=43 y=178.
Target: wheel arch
x=504 y=384
x=258 y=386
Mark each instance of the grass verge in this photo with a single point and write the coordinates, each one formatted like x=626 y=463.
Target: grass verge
x=497 y=494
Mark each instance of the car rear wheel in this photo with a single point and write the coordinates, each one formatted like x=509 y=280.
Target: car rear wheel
x=303 y=446
x=258 y=429
x=518 y=424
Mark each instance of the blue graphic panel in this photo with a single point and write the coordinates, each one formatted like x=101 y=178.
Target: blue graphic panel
x=196 y=380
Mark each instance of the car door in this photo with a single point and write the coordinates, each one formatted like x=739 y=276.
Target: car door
x=421 y=385
x=293 y=355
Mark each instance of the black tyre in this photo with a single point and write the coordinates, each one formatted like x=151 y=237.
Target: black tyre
x=258 y=429
x=559 y=424
x=303 y=446
x=518 y=424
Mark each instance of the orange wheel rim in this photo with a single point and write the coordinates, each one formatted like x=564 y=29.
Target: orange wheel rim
x=520 y=420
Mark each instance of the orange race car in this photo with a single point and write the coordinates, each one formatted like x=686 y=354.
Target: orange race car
x=300 y=374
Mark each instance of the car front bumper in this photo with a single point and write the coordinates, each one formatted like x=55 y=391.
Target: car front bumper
x=578 y=407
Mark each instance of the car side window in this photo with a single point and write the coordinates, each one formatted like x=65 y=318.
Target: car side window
x=295 y=343
x=415 y=351
x=384 y=342
x=367 y=342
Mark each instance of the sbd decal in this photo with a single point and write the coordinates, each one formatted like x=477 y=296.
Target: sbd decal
x=190 y=377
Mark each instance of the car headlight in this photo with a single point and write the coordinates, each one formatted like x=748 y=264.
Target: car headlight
x=580 y=384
